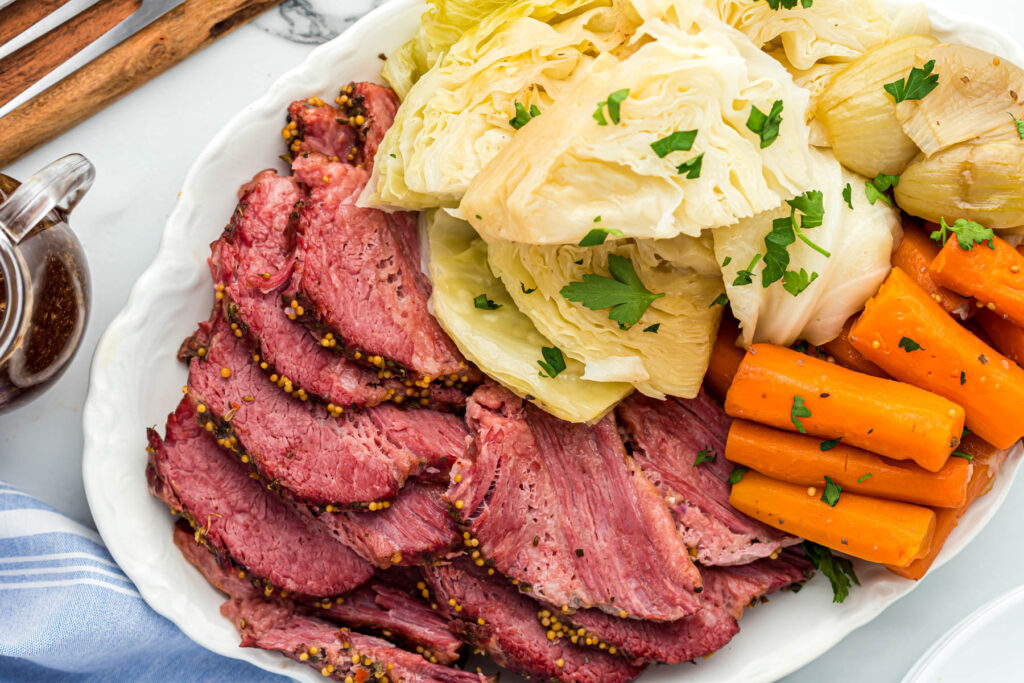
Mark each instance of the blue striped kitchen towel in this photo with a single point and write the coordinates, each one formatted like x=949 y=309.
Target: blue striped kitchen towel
x=68 y=613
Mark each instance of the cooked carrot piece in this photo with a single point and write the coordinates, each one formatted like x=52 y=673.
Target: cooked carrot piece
x=806 y=460
x=842 y=350
x=725 y=357
x=1005 y=336
x=909 y=336
x=914 y=255
x=872 y=529
x=789 y=390
x=987 y=462
x=992 y=275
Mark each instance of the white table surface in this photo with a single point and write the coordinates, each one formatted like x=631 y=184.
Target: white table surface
x=143 y=146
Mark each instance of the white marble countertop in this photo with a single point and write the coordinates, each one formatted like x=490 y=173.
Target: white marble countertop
x=143 y=146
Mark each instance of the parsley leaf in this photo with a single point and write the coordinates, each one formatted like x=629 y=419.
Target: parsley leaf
x=968 y=233
x=484 y=303
x=848 y=195
x=525 y=290
x=909 y=345
x=811 y=205
x=876 y=189
x=597 y=236
x=797 y=411
x=766 y=125
x=788 y=4
x=864 y=478
x=776 y=254
x=960 y=454
x=795 y=283
x=919 y=83
x=838 y=570
x=553 y=363
x=1020 y=126
x=830 y=444
x=736 y=476
x=726 y=261
x=679 y=141
x=706 y=454
x=624 y=293
x=614 y=105
x=722 y=300
x=831 y=494
x=745 y=277
x=963 y=378
x=653 y=329
x=523 y=116
x=692 y=168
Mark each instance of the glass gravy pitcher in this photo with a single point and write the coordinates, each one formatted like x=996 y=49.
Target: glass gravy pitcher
x=44 y=280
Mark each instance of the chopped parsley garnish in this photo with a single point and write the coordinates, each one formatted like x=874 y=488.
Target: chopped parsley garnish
x=795 y=283
x=776 y=254
x=553 y=363
x=864 y=478
x=876 y=189
x=797 y=411
x=830 y=444
x=736 y=476
x=523 y=116
x=679 y=141
x=597 y=236
x=653 y=329
x=766 y=126
x=848 y=195
x=525 y=290
x=909 y=345
x=830 y=496
x=706 y=454
x=597 y=219
x=692 y=168
x=788 y=4
x=746 y=276
x=838 y=570
x=1020 y=126
x=968 y=233
x=960 y=454
x=811 y=205
x=963 y=378
x=726 y=261
x=482 y=302
x=722 y=300
x=919 y=83
x=624 y=293
x=614 y=105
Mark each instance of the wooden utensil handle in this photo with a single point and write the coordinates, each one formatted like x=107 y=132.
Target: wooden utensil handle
x=181 y=32
x=44 y=54
x=21 y=14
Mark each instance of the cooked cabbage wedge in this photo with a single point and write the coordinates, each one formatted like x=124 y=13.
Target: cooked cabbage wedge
x=859 y=117
x=504 y=343
x=978 y=180
x=669 y=361
x=975 y=96
x=564 y=169
x=456 y=117
x=860 y=241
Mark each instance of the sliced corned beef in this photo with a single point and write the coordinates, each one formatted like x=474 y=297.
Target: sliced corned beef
x=314 y=126
x=727 y=590
x=358 y=457
x=489 y=613
x=379 y=105
x=375 y=605
x=562 y=508
x=335 y=652
x=414 y=527
x=239 y=519
x=666 y=437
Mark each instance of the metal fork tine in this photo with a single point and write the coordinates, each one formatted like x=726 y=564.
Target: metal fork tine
x=22 y=21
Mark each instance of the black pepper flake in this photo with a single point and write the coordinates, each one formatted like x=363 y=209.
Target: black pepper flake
x=536 y=541
x=983 y=359
x=579 y=552
x=825 y=395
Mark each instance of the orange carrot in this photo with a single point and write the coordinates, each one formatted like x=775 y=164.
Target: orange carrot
x=872 y=529
x=807 y=461
x=1005 y=336
x=842 y=350
x=992 y=275
x=987 y=462
x=914 y=255
x=725 y=357
x=911 y=337
x=789 y=390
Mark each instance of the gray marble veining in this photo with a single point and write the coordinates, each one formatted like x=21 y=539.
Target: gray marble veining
x=312 y=22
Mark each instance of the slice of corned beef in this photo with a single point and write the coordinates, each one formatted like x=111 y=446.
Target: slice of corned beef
x=727 y=590
x=488 y=612
x=358 y=457
x=413 y=528
x=238 y=518
x=563 y=509
x=336 y=653
x=375 y=605
x=666 y=438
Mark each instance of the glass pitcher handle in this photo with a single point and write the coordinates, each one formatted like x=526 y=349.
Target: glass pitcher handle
x=61 y=185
